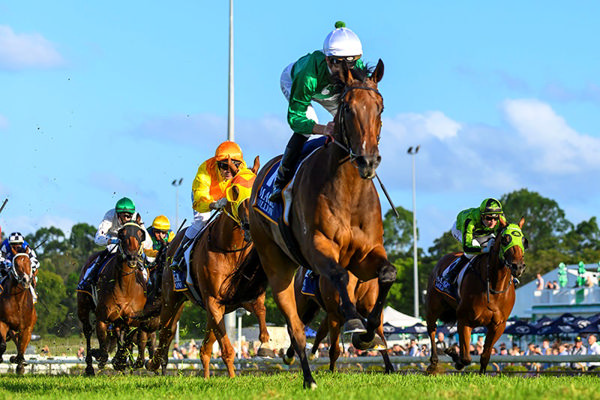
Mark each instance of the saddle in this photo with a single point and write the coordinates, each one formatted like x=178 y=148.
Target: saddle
x=278 y=213
x=450 y=289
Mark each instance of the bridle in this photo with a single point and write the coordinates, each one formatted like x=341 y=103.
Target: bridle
x=341 y=117
x=25 y=279
x=134 y=261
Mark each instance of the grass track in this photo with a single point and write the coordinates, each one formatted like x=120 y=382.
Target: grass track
x=289 y=385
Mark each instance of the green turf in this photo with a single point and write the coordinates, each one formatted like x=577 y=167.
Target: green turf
x=289 y=385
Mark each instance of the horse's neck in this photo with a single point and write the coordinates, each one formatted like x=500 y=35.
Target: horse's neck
x=496 y=270
x=224 y=235
x=124 y=275
x=344 y=174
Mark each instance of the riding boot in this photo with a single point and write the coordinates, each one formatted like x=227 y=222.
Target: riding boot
x=451 y=274
x=179 y=253
x=91 y=274
x=287 y=167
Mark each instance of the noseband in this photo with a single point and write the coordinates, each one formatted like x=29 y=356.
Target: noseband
x=133 y=260
x=25 y=279
x=342 y=121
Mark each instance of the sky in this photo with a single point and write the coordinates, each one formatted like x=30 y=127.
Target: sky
x=100 y=100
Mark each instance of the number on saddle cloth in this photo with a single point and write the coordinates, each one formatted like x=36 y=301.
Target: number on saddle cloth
x=274 y=211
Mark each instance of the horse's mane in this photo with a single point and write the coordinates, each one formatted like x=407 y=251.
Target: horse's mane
x=359 y=74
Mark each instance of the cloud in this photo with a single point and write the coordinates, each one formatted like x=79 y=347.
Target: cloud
x=558 y=92
x=554 y=147
x=430 y=124
x=3 y=122
x=25 y=51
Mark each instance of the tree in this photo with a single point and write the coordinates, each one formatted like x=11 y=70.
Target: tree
x=50 y=311
x=443 y=245
x=48 y=240
x=545 y=222
x=586 y=235
x=397 y=232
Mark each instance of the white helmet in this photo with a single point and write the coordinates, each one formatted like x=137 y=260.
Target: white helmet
x=342 y=42
x=16 y=238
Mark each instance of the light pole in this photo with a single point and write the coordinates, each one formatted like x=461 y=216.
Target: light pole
x=413 y=151
x=230 y=135
x=177 y=183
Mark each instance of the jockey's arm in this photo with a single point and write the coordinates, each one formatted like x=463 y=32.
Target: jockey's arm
x=102 y=237
x=35 y=264
x=201 y=190
x=468 y=242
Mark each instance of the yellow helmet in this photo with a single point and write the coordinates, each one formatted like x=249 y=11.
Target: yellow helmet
x=229 y=149
x=161 y=223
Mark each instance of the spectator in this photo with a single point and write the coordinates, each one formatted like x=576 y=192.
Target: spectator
x=413 y=348
x=397 y=350
x=549 y=285
x=177 y=352
x=81 y=353
x=546 y=350
x=556 y=285
x=46 y=351
x=539 y=282
x=578 y=349
x=440 y=344
x=424 y=351
x=593 y=349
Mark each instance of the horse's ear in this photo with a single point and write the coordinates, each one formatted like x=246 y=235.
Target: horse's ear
x=232 y=167
x=521 y=222
x=256 y=165
x=138 y=219
x=378 y=72
x=345 y=75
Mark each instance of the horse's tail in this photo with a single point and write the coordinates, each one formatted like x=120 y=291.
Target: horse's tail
x=246 y=283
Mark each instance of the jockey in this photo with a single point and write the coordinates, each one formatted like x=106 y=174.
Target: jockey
x=208 y=191
x=106 y=235
x=161 y=234
x=16 y=244
x=475 y=229
x=313 y=78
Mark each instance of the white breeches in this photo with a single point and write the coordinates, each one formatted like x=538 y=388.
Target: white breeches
x=199 y=222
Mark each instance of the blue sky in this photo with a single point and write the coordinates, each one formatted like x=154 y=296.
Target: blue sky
x=100 y=100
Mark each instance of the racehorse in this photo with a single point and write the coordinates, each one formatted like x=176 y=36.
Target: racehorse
x=223 y=244
x=335 y=220
x=17 y=309
x=486 y=296
x=307 y=305
x=121 y=299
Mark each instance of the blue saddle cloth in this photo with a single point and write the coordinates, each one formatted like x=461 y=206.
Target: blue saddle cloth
x=179 y=280
x=309 y=284
x=444 y=286
x=273 y=211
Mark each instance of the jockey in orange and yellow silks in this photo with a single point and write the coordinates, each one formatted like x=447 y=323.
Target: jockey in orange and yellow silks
x=208 y=190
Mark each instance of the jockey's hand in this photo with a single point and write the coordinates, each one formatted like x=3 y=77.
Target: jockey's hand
x=329 y=128
x=219 y=204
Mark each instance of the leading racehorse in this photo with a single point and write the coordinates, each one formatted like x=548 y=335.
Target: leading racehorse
x=17 y=309
x=335 y=219
x=486 y=296
x=222 y=246
x=121 y=298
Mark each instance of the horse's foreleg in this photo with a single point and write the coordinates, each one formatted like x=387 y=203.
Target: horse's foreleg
x=258 y=308
x=142 y=339
x=206 y=350
x=23 y=339
x=102 y=334
x=282 y=283
x=320 y=336
x=334 y=339
x=493 y=334
x=432 y=317
x=216 y=323
x=389 y=367
x=3 y=332
x=464 y=340
x=386 y=276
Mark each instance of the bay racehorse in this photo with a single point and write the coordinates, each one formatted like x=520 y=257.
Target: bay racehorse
x=486 y=296
x=17 y=309
x=222 y=246
x=328 y=299
x=121 y=299
x=335 y=219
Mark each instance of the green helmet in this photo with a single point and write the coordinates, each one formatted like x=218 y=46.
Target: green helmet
x=490 y=206
x=125 y=205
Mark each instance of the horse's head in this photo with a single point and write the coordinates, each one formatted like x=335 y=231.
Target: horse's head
x=238 y=195
x=21 y=269
x=358 y=120
x=512 y=248
x=131 y=236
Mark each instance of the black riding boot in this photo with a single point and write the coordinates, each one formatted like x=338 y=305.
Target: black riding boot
x=91 y=275
x=450 y=276
x=286 y=170
x=179 y=253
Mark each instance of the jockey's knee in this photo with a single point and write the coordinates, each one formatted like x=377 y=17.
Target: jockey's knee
x=387 y=274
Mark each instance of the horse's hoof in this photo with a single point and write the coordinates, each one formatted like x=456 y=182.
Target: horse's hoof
x=138 y=364
x=311 y=356
x=13 y=359
x=310 y=384
x=360 y=343
x=288 y=360
x=264 y=352
x=20 y=369
x=89 y=371
x=432 y=369
x=354 y=325
x=459 y=366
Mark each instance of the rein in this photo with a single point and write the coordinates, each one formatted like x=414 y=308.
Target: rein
x=238 y=224
x=25 y=278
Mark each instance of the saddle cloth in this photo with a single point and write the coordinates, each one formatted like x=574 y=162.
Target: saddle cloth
x=452 y=290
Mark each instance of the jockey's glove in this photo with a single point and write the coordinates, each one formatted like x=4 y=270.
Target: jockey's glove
x=219 y=204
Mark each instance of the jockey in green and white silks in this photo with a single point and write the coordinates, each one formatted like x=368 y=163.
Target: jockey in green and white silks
x=106 y=235
x=312 y=78
x=475 y=229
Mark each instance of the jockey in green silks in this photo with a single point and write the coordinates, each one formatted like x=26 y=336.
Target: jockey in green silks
x=314 y=78
x=475 y=229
